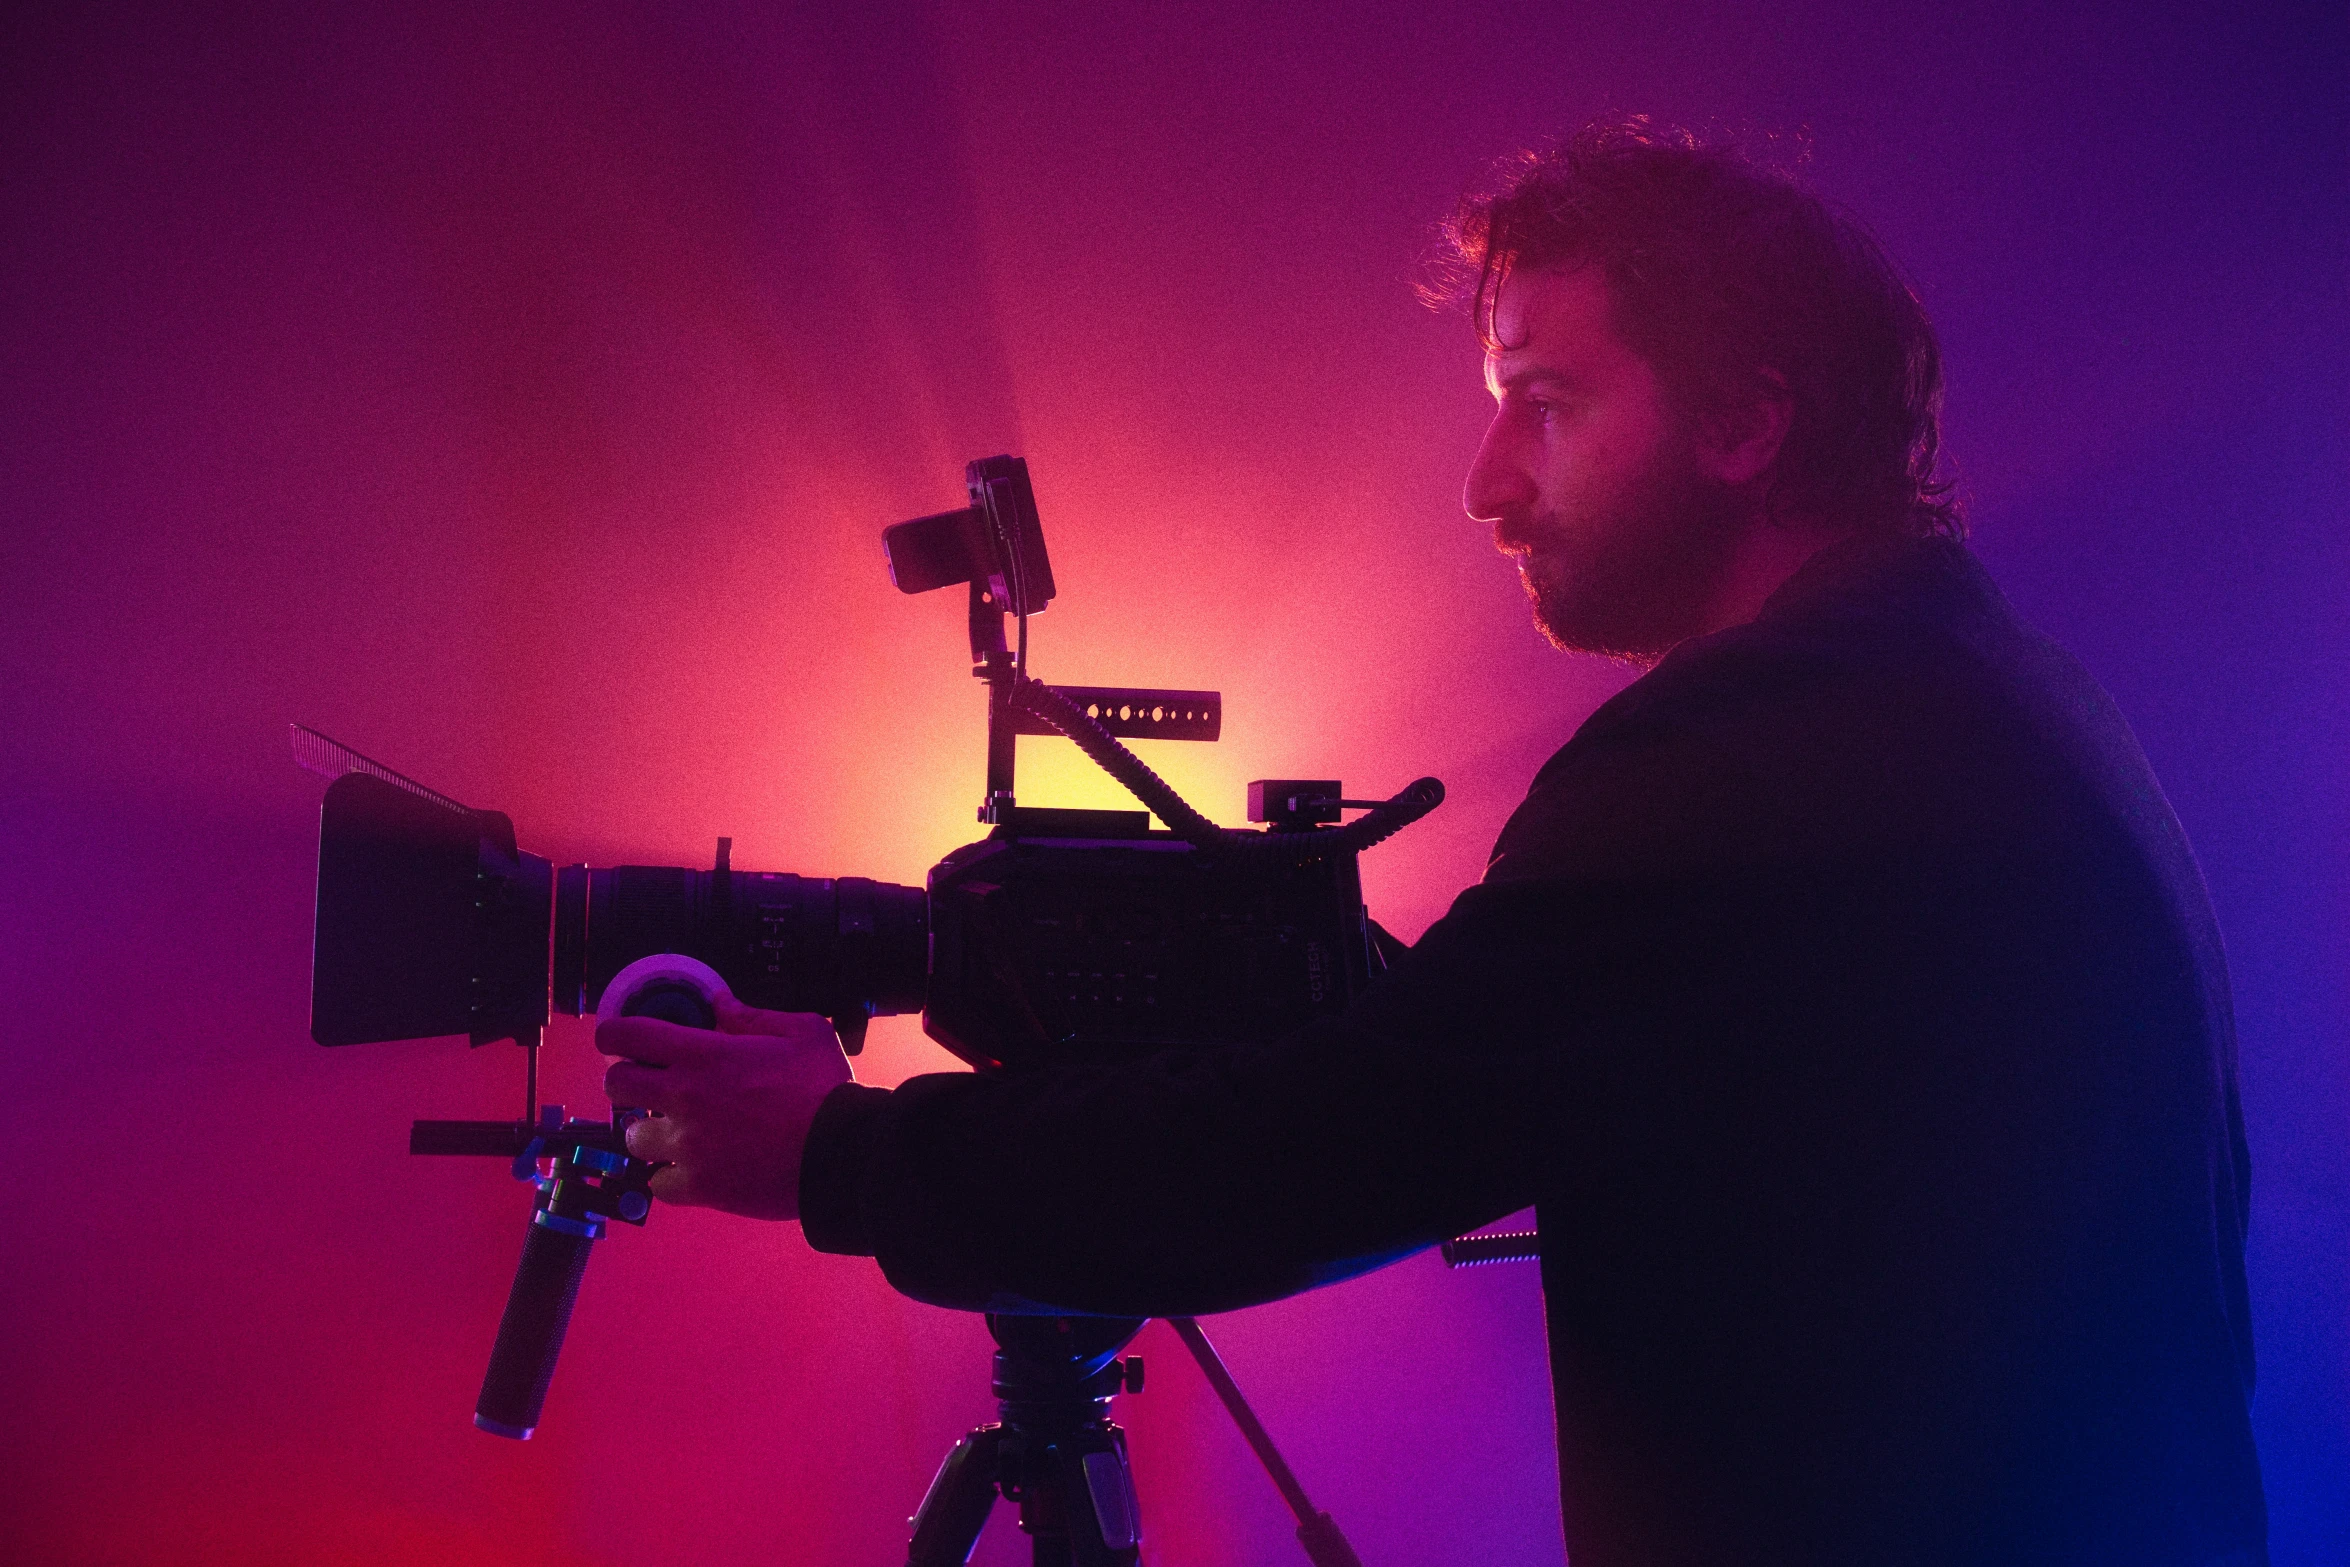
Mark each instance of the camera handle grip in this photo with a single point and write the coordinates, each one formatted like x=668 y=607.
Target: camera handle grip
x=538 y=1310
x=574 y=1200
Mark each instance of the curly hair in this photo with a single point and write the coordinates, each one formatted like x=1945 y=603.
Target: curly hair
x=1727 y=278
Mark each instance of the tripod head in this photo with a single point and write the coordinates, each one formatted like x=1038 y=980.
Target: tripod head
x=1054 y=1454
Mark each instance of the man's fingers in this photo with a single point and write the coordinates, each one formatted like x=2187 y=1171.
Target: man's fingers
x=654 y=1140
x=806 y=1027
x=675 y=1184
x=657 y=1043
x=650 y=1040
x=642 y=1087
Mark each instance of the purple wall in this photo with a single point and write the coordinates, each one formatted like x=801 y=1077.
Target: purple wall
x=516 y=394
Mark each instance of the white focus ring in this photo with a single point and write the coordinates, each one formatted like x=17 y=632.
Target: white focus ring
x=665 y=969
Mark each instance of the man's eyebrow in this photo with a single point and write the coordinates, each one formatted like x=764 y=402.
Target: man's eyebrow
x=1527 y=377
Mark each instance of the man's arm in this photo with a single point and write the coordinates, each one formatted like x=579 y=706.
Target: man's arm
x=1201 y=1180
x=1204 y=1179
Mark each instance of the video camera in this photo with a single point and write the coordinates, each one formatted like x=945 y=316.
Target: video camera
x=1062 y=935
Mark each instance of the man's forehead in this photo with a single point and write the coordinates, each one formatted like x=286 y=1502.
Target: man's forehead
x=1544 y=320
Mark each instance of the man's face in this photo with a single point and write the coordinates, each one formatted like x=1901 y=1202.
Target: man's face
x=1591 y=481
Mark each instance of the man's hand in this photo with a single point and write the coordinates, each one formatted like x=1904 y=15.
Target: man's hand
x=731 y=1109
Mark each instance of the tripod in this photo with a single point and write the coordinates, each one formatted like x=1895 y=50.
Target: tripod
x=1055 y=1452
x=1057 y=1455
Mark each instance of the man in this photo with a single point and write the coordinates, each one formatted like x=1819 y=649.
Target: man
x=1843 y=992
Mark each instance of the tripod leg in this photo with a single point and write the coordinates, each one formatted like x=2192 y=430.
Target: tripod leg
x=955 y=1508
x=1105 y=1522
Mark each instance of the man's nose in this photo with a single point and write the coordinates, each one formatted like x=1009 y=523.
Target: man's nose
x=1499 y=480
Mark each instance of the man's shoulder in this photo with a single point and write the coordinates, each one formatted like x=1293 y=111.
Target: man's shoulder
x=1884 y=693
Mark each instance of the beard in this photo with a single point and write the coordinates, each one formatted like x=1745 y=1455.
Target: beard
x=1638 y=572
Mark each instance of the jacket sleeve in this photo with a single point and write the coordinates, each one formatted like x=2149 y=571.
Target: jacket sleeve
x=1206 y=1179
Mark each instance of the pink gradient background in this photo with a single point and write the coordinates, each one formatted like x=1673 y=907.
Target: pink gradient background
x=517 y=394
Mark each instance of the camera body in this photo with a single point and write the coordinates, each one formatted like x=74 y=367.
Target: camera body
x=1049 y=949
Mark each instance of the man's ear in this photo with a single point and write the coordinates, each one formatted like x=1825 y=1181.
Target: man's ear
x=1739 y=444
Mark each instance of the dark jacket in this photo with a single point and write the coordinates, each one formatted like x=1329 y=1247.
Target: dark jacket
x=1846 y=997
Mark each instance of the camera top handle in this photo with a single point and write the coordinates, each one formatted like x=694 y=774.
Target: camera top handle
x=996 y=545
